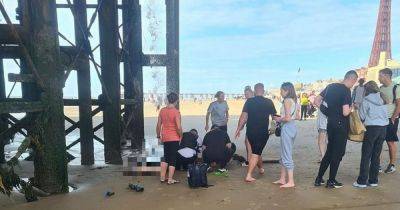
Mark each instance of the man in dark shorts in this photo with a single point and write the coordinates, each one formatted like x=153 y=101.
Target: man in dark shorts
x=391 y=94
x=336 y=98
x=218 y=148
x=256 y=113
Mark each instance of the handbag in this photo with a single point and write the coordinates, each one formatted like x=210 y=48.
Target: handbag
x=357 y=128
x=324 y=105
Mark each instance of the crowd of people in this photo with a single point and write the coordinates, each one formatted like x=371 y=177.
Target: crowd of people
x=378 y=108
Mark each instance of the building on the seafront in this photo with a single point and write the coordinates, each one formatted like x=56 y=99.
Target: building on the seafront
x=372 y=73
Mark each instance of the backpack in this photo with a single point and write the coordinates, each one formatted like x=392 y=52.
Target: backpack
x=197 y=175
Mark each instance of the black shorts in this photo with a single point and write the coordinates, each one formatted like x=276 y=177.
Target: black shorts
x=170 y=152
x=257 y=142
x=391 y=130
x=222 y=127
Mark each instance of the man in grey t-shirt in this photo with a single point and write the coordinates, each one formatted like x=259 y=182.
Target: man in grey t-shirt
x=219 y=112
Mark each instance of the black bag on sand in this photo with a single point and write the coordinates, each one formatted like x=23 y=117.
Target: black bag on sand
x=197 y=175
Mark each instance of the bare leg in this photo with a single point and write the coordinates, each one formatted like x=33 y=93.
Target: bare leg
x=248 y=149
x=252 y=164
x=392 y=151
x=290 y=182
x=260 y=165
x=322 y=144
x=282 y=180
x=163 y=172
x=171 y=171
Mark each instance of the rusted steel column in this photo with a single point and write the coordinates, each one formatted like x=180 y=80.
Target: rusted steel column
x=109 y=53
x=133 y=74
x=50 y=158
x=3 y=124
x=83 y=71
x=172 y=7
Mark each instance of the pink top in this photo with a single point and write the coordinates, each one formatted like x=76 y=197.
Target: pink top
x=169 y=124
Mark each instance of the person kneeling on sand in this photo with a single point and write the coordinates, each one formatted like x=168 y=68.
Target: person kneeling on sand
x=187 y=153
x=373 y=113
x=218 y=148
x=256 y=113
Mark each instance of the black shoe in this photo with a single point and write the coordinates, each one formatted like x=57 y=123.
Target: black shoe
x=319 y=182
x=334 y=184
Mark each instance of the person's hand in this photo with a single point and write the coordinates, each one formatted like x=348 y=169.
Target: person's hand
x=237 y=134
x=207 y=127
x=277 y=118
x=229 y=145
x=393 y=119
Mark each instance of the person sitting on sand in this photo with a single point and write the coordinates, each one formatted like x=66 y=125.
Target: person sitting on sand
x=256 y=113
x=187 y=153
x=219 y=112
x=169 y=131
x=248 y=93
x=218 y=148
x=289 y=113
x=373 y=113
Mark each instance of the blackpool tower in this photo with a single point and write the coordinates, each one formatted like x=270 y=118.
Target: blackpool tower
x=382 y=40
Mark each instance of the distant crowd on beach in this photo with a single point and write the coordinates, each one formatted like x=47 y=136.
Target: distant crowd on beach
x=377 y=107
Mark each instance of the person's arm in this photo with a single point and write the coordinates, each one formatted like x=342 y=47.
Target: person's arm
x=347 y=104
x=179 y=125
x=396 y=111
x=158 y=128
x=363 y=111
x=318 y=100
x=228 y=143
x=208 y=117
x=227 y=114
x=241 y=123
x=346 y=110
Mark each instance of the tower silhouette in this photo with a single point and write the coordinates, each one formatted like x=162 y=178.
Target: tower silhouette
x=382 y=40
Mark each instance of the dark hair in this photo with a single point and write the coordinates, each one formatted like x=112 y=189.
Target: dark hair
x=258 y=85
x=386 y=71
x=361 y=81
x=289 y=87
x=351 y=74
x=247 y=88
x=218 y=94
x=172 y=98
x=371 y=87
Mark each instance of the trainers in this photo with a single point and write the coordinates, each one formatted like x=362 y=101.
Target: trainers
x=380 y=169
x=334 y=184
x=372 y=184
x=319 y=182
x=390 y=169
x=356 y=185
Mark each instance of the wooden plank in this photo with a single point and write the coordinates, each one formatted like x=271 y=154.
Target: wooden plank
x=108 y=28
x=20 y=107
x=21 y=77
x=84 y=92
x=51 y=173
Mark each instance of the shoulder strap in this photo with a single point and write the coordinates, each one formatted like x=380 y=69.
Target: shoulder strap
x=394 y=93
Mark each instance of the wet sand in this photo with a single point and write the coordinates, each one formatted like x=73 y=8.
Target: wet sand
x=227 y=193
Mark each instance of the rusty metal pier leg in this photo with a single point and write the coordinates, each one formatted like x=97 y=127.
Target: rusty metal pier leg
x=172 y=7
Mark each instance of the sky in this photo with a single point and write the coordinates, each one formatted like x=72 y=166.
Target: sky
x=228 y=44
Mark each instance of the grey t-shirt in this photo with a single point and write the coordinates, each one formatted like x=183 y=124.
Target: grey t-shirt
x=218 y=113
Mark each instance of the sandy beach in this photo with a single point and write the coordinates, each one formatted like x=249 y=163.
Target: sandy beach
x=228 y=192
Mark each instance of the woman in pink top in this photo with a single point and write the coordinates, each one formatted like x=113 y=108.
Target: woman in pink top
x=169 y=132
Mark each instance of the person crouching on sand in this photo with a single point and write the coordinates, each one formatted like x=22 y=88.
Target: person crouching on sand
x=256 y=113
x=373 y=113
x=289 y=113
x=169 y=131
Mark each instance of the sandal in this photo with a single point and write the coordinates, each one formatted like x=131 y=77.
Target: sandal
x=173 y=181
x=163 y=181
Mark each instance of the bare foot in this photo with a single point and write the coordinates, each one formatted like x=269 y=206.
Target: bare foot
x=261 y=170
x=249 y=179
x=280 y=182
x=287 y=185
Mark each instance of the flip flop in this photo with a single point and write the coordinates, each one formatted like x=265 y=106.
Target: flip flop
x=173 y=182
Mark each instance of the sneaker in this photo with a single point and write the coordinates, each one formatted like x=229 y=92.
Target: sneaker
x=319 y=182
x=372 y=184
x=222 y=170
x=356 y=185
x=380 y=169
x=390 y=169
x=334 y=184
